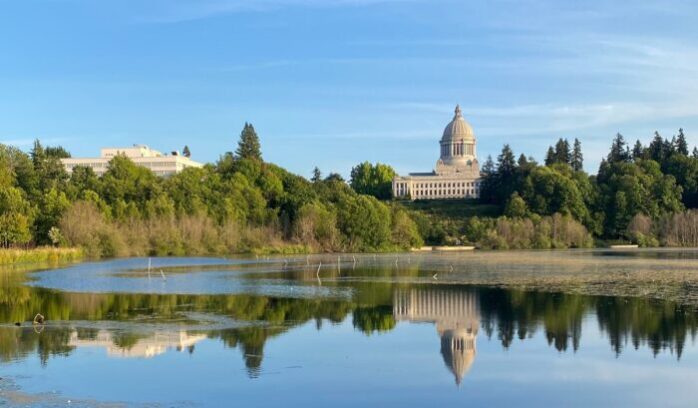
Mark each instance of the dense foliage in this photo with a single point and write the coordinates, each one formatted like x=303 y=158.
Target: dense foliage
x=244 y=204
x=241 y=203
x=657 y=182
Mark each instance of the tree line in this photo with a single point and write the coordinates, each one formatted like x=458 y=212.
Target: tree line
x=644 y=194
x=241 y=203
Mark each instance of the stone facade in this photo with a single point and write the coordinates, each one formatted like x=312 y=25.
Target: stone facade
x=457 y=172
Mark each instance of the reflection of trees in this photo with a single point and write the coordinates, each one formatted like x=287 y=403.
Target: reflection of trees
x=505 y=315
x=659 y=325
x=518 y=314
x=374 y=319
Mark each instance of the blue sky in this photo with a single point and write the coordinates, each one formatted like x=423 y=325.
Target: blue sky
x=335 y=82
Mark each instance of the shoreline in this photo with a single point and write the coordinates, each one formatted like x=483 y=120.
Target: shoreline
x=13 y=257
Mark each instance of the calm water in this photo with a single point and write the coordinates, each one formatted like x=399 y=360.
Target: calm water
x=394 y=330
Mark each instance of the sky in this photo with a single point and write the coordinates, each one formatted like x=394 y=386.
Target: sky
x=331 y=83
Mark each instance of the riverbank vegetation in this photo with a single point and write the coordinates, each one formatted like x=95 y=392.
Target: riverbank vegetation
x=239 y=204
x=646 y=195
x=39 y=255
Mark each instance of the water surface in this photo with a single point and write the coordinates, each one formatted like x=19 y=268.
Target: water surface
x=395 y=330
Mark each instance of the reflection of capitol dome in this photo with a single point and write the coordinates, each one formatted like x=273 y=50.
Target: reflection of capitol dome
x=458 y=351
x=456 y=315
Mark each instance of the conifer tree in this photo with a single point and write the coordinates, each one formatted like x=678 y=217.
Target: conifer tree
x=317 y=175
x=550 y=156
x=577 y=160
x=638 y=150
x=488 y=167
x=248 y=146
x=523 y=161
x=657 y=147
x=619 y=150
x=681 y=144
x=506 y=164
x=562 y=151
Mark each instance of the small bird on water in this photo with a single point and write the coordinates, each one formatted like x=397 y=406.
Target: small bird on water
x=39 y=319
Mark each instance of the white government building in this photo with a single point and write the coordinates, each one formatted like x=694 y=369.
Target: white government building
x=142 y=155
x=457 y=172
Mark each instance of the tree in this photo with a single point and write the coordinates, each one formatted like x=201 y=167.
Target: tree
x=248 y=146
x=695 y=152
x=577 y=159
x=488 y=167
x=334 y=177
x=550 y=156
x=619 y=150
x=657 y=148
x=562 y=151
x=16 y=217
x=375 y=180
x=49 y=170
x=627 y=189
x=523 y=161
x=638 y=150
x=557 y=189
x=186 y=152
x=317 y=175
x=506 y=163
x=516 y=206
x=681 y=144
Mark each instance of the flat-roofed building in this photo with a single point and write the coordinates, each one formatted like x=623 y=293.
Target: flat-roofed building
x=160 y=164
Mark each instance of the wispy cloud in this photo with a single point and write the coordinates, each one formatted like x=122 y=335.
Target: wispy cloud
x=174 y=11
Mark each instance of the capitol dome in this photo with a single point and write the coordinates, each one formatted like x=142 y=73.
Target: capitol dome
x=458 y=129
x=458 y=150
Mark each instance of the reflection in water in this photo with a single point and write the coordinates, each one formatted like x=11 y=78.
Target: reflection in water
x=457 y=318
x=150 y=346
x=378 y=297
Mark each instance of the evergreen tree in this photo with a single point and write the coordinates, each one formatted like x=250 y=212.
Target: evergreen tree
x=317 y=175
x=577 y=160
x=488 y=167
x=619 y=150
x=562 y=151
x=681 y=144
x=550 y=156
x=38 y=154
x=186 y=152
x=695 y=152
x=638 y=150
x=657 y=147
x=506 y=164
x=248 y=146
x=523 y=161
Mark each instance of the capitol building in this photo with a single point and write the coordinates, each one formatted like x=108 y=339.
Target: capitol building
x=457 y=172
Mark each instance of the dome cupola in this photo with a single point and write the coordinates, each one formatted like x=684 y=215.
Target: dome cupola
x=458 y=129
x=458 y=150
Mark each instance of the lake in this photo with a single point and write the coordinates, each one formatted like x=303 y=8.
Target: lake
x=349 y=330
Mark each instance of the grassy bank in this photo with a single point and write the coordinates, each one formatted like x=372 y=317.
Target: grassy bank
x=41 y=254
